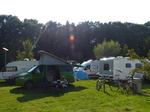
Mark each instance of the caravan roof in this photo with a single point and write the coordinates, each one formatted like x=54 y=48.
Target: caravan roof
x=112 y=58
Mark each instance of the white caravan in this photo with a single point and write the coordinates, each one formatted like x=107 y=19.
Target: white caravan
x=12 y=69
x=90 y=67
x=119 y=66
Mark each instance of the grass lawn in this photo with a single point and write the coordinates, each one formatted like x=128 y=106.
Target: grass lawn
x=80 y=96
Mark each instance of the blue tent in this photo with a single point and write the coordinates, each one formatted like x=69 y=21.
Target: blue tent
x=80 y=75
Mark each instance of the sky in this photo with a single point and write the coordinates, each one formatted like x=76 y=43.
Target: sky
x=76 y=11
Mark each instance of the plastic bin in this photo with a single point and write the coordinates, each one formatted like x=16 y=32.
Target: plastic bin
x=138 y=84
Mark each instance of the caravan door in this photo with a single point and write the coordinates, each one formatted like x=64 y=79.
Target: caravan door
x=106 y=67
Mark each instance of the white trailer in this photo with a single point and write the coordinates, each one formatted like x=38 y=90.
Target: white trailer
x=12 y=69
x=90 y=67
x=119 y=66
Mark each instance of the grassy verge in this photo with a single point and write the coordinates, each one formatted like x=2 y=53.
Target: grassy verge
x=81 y=96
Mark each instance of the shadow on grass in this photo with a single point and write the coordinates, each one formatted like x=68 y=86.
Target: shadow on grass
x=6 y=84
x=29 y=95
x=145 y=85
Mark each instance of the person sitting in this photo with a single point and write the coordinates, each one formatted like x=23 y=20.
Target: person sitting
x=62 y=83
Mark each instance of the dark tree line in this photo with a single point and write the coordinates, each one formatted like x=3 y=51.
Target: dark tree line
x=55 y=37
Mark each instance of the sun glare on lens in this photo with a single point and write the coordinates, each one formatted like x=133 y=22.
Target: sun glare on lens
x=72 y=38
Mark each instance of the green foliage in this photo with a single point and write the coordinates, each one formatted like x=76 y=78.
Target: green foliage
x=107 y=49
x=133 y=55
x=27 y=53
x=145 y=66
x=125 y=50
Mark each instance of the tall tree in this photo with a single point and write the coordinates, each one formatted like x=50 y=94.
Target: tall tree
x=107 y=49
x=125 y=50
x=27 y=53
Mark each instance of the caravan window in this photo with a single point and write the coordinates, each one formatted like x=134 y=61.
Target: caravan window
x=66 y=68
x=106 y=66
x=137 y=65
x=31 y=69
x=128 y=65
x=39 y=69
x=95 y=66
x=87 y=67
x=9 y=69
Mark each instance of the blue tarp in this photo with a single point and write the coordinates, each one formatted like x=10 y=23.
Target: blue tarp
x=80 y=75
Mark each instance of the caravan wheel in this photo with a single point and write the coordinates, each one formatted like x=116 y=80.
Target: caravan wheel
x=29 y=85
